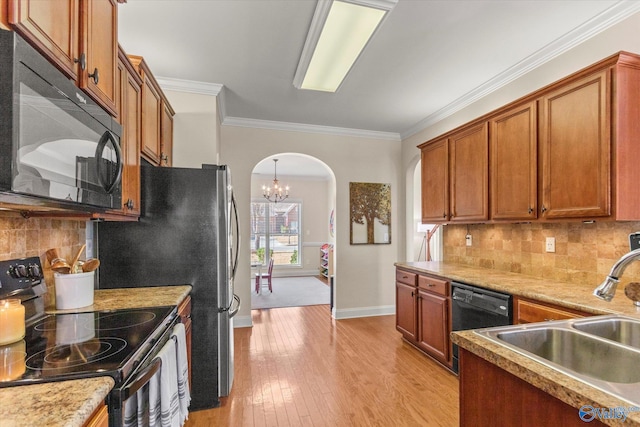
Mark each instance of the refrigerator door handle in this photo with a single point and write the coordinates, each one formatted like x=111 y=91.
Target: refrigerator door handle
x=234 y=311
x=237 y=236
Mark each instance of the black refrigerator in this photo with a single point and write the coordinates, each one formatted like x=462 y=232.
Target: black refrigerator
x=187 y=234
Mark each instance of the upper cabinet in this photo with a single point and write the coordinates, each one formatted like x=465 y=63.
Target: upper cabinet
x=78 y=36
x=565 y=152
x=513 y=165
x=157 y=118
x=469 y=169
x=435 y=182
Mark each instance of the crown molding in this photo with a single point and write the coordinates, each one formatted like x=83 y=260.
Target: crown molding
x=301 y=127
x=606 y=19
x=190 y=86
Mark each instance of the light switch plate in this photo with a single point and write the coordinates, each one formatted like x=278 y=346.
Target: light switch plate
x=468 y=240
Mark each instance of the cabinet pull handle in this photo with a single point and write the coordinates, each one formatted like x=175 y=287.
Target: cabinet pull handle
x=164 y=158
x=129 y=205
x=82 y=61
x=412 y=295
x=444 y=215
x=530 y=211
x=431 y=285
x=544 y=209
x=95 y=76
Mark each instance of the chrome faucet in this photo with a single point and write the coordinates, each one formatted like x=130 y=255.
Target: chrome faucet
x=607 y=289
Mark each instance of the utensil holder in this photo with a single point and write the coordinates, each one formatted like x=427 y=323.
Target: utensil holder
x=74 y=290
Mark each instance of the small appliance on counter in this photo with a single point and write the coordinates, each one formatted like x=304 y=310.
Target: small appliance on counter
x=187 y=235
x=123 y=344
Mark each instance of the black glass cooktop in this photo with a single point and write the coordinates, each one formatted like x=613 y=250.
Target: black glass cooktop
x=79 y=345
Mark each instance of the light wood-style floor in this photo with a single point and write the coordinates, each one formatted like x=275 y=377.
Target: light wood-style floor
x=299 y=367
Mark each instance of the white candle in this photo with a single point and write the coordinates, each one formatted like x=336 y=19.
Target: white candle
x=11 y=321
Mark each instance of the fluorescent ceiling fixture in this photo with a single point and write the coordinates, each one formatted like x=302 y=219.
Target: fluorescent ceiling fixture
x=339 y=32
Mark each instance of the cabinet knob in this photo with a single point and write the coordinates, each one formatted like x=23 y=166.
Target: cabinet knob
x=444 y=215
x=95 y=76
x=530 y=211
x=82 y=61
x=544 y=209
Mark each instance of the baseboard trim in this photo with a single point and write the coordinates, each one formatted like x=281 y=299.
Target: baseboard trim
x=242 y=322
x=351 y=313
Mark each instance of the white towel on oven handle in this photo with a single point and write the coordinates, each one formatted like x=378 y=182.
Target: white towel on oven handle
x=184 y=396
x=164 y=408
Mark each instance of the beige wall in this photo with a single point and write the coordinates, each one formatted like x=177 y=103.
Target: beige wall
x=195 y=129
x=314 y=196
x=364 y=274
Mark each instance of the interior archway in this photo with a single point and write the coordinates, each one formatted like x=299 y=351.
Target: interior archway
x=292 y=230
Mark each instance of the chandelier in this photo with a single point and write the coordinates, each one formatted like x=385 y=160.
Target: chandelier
x=275 y=192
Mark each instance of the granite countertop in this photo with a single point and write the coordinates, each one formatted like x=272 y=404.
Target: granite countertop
x=579 y=297
x=70 y=403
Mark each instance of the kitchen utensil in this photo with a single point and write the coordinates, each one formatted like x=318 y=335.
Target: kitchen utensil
x=51 y=255
x=60 y=265
x=74 y=266
x=90 y=265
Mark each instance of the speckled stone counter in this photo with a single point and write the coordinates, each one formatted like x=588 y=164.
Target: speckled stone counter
x=63 y=403
x=70 y=403
x=114 y=299
x=561 y=386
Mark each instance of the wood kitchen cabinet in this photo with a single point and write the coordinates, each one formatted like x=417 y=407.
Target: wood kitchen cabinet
x=433 y=318
x=166 y=135
x=130 y=118
x=513 y=164
x=406 y=304
x=529 y=311
x=583 y=167
x=78 y=36
x=517 y=403
x=422 y=313
x=99 y=418
x=435 y=182
x=576 y=149
x=157 y=118
x=184 y=311
x=469 y=174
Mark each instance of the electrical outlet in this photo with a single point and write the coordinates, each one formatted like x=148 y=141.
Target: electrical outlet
x=468 y=240
x=551 y=244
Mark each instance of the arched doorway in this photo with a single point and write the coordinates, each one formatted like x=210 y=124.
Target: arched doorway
x=294 y=231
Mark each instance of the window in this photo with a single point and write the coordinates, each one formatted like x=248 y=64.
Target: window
x=275 y=230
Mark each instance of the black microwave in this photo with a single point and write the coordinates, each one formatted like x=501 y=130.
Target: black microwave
x=58 y=148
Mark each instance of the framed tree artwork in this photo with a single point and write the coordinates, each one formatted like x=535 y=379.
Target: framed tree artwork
x=370 y=213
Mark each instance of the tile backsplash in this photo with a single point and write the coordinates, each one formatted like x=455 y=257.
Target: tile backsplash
x=20 y=237
x=585 y=252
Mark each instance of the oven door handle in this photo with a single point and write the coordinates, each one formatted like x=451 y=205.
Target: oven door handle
x=143 y=378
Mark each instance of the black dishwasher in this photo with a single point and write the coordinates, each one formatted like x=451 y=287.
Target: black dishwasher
x=473 y=307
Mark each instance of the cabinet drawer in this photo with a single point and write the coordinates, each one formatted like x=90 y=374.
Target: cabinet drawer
x=406 y=277
x=531 y=312
x=431 y=284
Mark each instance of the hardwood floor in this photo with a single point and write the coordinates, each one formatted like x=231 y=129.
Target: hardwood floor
x=299 y=367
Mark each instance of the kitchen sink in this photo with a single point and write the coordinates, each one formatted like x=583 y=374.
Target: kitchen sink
x=624 y=331
x=579 y=352
x=602 y=351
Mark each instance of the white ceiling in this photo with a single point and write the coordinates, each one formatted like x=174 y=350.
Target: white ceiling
x=428 y=58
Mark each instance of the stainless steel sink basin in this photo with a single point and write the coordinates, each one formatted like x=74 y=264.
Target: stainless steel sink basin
x=602 y=351
x=624 y=331
x=579 y=352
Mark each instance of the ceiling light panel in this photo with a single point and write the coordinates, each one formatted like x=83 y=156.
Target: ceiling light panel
x=339 y=32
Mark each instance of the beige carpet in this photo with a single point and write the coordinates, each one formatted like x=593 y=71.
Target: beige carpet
x=291 y=292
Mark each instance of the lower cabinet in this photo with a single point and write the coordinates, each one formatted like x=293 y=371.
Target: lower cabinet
x=423 y=313
x=184 y=311
x=99 y=418
x=529 y=311
x=491 y=396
